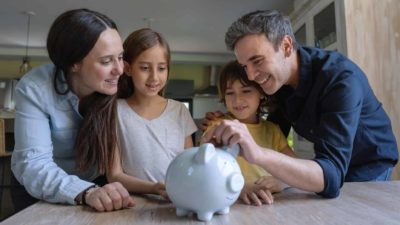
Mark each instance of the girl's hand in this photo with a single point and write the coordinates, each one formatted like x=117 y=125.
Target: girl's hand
x=110 y=197
x=254 y=194
x=159 y=188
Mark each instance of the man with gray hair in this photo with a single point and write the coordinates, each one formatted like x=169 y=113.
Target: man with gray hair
x=323 y=95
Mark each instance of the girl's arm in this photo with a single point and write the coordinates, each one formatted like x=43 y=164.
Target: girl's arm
x=131 y=183
x=188 y=142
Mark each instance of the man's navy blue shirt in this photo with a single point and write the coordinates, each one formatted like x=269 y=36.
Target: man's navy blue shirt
x=334 y=107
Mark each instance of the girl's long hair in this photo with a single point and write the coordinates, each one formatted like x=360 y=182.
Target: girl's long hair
x=136 y=43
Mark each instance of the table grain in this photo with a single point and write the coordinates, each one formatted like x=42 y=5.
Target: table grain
x=358 y=203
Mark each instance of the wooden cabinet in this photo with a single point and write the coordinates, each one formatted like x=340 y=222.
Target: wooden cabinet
x=367 y=32
x=6 y=132
x=319 y=24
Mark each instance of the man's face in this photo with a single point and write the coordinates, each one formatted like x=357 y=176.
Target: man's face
x=263 y=64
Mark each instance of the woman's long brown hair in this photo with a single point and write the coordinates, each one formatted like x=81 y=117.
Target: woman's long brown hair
x=71 y=37
x=97 y=138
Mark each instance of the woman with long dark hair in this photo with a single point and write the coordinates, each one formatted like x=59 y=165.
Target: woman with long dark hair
x=65 y=130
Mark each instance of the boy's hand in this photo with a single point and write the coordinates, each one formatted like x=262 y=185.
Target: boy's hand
x=210 y=116
x=254 y=194
x=271 y=183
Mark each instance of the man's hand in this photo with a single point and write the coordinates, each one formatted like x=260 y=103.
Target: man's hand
x=254 y=194
x=110 y=197
x=210 y=116
x=230 y=132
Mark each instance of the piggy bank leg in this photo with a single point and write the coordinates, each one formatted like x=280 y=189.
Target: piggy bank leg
x=181 y=212
x=224 y=211
x=204 y=216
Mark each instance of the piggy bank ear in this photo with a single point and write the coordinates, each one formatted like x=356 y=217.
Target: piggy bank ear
x=234 y=150
x=205 y=153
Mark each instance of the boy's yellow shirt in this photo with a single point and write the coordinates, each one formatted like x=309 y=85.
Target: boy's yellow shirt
x=267 y=135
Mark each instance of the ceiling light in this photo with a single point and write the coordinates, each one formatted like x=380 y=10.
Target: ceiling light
x=26 y=66
x=148 y=21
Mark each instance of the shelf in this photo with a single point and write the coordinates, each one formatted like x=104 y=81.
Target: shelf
x=6 y=136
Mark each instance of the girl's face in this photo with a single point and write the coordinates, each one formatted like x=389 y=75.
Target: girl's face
x=99 y=71
x=242 y=101
x=149 y=71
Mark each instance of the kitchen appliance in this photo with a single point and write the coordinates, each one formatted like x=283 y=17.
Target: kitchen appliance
x=7 y=87
x=181 y=90
x=211 y=89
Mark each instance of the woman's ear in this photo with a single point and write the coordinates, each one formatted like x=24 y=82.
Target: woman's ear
x=76 y=67
x=127 y=68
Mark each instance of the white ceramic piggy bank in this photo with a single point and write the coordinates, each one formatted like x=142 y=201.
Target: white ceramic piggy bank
x=204 y=180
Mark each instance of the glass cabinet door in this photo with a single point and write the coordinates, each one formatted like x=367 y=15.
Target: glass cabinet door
x=300 y=35
x=325 y=27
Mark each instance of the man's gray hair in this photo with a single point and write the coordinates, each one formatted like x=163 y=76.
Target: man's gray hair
x=270 y=22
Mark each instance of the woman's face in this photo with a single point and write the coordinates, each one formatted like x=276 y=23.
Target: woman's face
x=99 y=71
x=149 y=71
x=242 y=101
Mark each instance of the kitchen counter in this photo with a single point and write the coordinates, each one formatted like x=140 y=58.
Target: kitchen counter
x=4 y=114
x=359 y=203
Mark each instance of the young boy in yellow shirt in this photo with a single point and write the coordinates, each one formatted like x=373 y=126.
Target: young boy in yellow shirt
x=246 y=102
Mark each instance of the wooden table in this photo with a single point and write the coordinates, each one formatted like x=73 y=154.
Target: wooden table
x=359 y=203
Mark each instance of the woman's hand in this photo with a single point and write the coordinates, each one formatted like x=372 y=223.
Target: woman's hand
x=254 y=194
x=110 y=197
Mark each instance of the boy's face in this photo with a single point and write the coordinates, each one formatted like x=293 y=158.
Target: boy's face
x=242 y=101
x=263 y=64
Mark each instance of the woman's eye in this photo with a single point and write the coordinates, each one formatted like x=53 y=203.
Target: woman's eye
x=162 y=68
x=105 y=62
x=228 y=93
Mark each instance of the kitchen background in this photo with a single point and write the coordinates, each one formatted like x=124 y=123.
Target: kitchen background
x=365 y=31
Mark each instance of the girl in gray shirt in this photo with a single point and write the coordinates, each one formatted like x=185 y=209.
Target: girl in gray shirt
x=152 y=130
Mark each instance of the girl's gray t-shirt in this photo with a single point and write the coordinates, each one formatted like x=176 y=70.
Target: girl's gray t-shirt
x=149 y=146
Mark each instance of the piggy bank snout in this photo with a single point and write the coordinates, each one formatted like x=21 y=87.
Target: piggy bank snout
x=235 y=182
